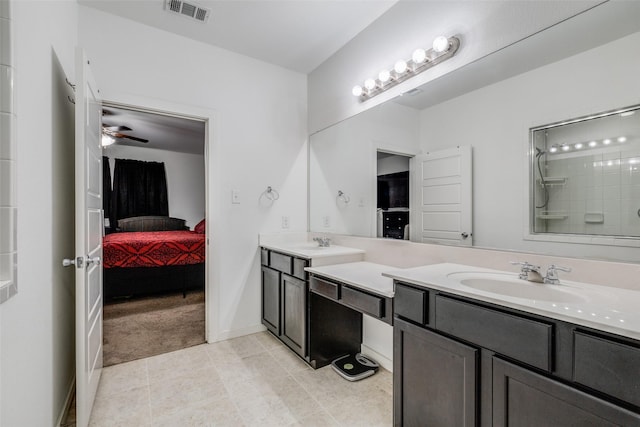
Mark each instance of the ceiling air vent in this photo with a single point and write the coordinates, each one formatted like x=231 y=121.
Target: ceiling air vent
x=188 y=9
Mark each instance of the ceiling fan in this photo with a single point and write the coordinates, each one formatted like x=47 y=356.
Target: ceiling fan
x=111 y=133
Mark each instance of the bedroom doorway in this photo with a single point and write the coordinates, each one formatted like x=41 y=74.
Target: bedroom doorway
x=155 y=244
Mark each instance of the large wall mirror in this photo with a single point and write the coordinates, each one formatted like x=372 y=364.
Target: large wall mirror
x=491 y=105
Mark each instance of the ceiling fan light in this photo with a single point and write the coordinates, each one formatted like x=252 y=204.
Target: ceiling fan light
x=107 y=140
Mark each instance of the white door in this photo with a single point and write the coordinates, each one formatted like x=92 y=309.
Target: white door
x=89 y=229
x=443 y=195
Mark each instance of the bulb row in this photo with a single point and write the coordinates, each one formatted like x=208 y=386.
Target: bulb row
x=401 y=67
x=580 y=145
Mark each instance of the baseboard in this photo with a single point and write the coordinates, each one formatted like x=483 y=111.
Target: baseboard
x=383 y=361
x=67 y=403
x=227 y=335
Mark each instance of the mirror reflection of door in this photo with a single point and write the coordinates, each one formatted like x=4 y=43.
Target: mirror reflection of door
x=393 y=196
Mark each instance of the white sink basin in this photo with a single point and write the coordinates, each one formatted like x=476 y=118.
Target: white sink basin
x=509 y=285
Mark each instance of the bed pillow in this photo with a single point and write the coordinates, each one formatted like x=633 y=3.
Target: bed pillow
x=200 y=227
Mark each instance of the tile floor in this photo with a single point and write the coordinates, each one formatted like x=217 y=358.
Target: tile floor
x=248 y=381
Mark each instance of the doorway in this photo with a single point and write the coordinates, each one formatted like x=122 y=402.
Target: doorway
x=155 y=243
x=393 y=195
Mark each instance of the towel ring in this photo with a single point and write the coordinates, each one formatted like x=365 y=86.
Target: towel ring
x=343 y=197
x=271 y=193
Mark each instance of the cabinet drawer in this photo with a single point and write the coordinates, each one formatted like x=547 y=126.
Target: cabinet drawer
x=607 y=366
x=325 y=288
x=411 y=303
x=280 y=262
x=524 y=339
x=264 y=257
x=369 y=304
x=298 y=268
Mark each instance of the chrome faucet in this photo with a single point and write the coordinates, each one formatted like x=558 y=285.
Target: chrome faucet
x=552 y=274
x=323 y=242
x=528 y=271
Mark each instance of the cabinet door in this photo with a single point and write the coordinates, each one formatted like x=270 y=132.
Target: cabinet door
x=271 y=300
x=523 y=398
x=294 y=314
x=434 y=379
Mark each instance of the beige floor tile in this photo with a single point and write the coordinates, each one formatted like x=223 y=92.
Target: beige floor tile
x=214 y=412
x=125 y=376
x=236 y=348
x=317 y=419
x=129 y=408
x=268 y=341
x=177 y=363
x=289 y=360
x=193 y=387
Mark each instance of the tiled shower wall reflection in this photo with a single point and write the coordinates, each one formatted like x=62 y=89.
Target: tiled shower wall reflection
x=8 y=209
x=600 y=193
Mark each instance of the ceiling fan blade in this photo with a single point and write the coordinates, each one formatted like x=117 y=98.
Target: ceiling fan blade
x=119 y=128
x=133 y=138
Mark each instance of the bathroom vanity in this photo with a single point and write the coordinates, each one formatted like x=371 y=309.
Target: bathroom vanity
x=287 y=302
x=465 y=355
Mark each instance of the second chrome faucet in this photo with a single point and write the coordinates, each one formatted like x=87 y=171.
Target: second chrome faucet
x=532 y=273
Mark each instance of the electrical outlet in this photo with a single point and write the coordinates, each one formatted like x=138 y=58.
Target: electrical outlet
x=326 y=221
x=285 y=222
x=235 y=197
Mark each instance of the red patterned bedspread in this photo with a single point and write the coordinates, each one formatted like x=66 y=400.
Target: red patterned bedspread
x=153 y=249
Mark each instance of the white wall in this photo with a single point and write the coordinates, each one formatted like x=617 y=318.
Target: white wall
x=185 y=178
x=259 y=136
x=483 y=27
x=36 y=345
x=496 y=120
x=344 y=157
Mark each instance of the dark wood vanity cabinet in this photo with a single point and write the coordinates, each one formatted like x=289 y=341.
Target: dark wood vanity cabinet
x=285 y=290
x=462 y=362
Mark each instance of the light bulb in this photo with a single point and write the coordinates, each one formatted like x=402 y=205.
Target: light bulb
x=107 y=140
x=622 y=139
x=553 y=149
x=578 y=145
x=565 y=147
x=593 y=144
x=419 y=56
x=369 y=84
x=440 y=44
x=400 y=67
x=384 y=76
x=606 y=141
x=356 y=91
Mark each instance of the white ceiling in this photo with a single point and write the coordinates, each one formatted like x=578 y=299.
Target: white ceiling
x=164 y=132
x=294 y=34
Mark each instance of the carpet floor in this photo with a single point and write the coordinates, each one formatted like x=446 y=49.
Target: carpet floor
x=144 y=327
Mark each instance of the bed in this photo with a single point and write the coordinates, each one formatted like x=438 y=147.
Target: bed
x=165 y=257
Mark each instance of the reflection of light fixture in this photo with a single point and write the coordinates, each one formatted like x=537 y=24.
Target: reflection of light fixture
x=578 y=145
x=565 y=147
x=553 y=149
x=606 y=141
x=622 y=139
x=593 y=144
x=107 y=140
x=627 y=113
x=421 y=60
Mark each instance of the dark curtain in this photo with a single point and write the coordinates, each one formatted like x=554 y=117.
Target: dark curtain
x=106 y=191
x=139 y=188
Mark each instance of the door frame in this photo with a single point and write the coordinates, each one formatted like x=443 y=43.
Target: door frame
x=377 y=146
x=212 y=188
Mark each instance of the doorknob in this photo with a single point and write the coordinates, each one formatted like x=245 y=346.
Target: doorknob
x=464 y=235
x=67 y=262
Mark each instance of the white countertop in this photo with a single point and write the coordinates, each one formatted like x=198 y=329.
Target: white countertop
x=606 y=308
x=364 y=275
x=310 y=250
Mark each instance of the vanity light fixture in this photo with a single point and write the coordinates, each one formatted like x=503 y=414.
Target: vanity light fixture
x=578 y=145
x=593 y=144
x=606 y=141
x=622 y=139
x=565 y=147
x=442 y=49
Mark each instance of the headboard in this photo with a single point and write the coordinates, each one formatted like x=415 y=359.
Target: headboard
x=151 y=223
